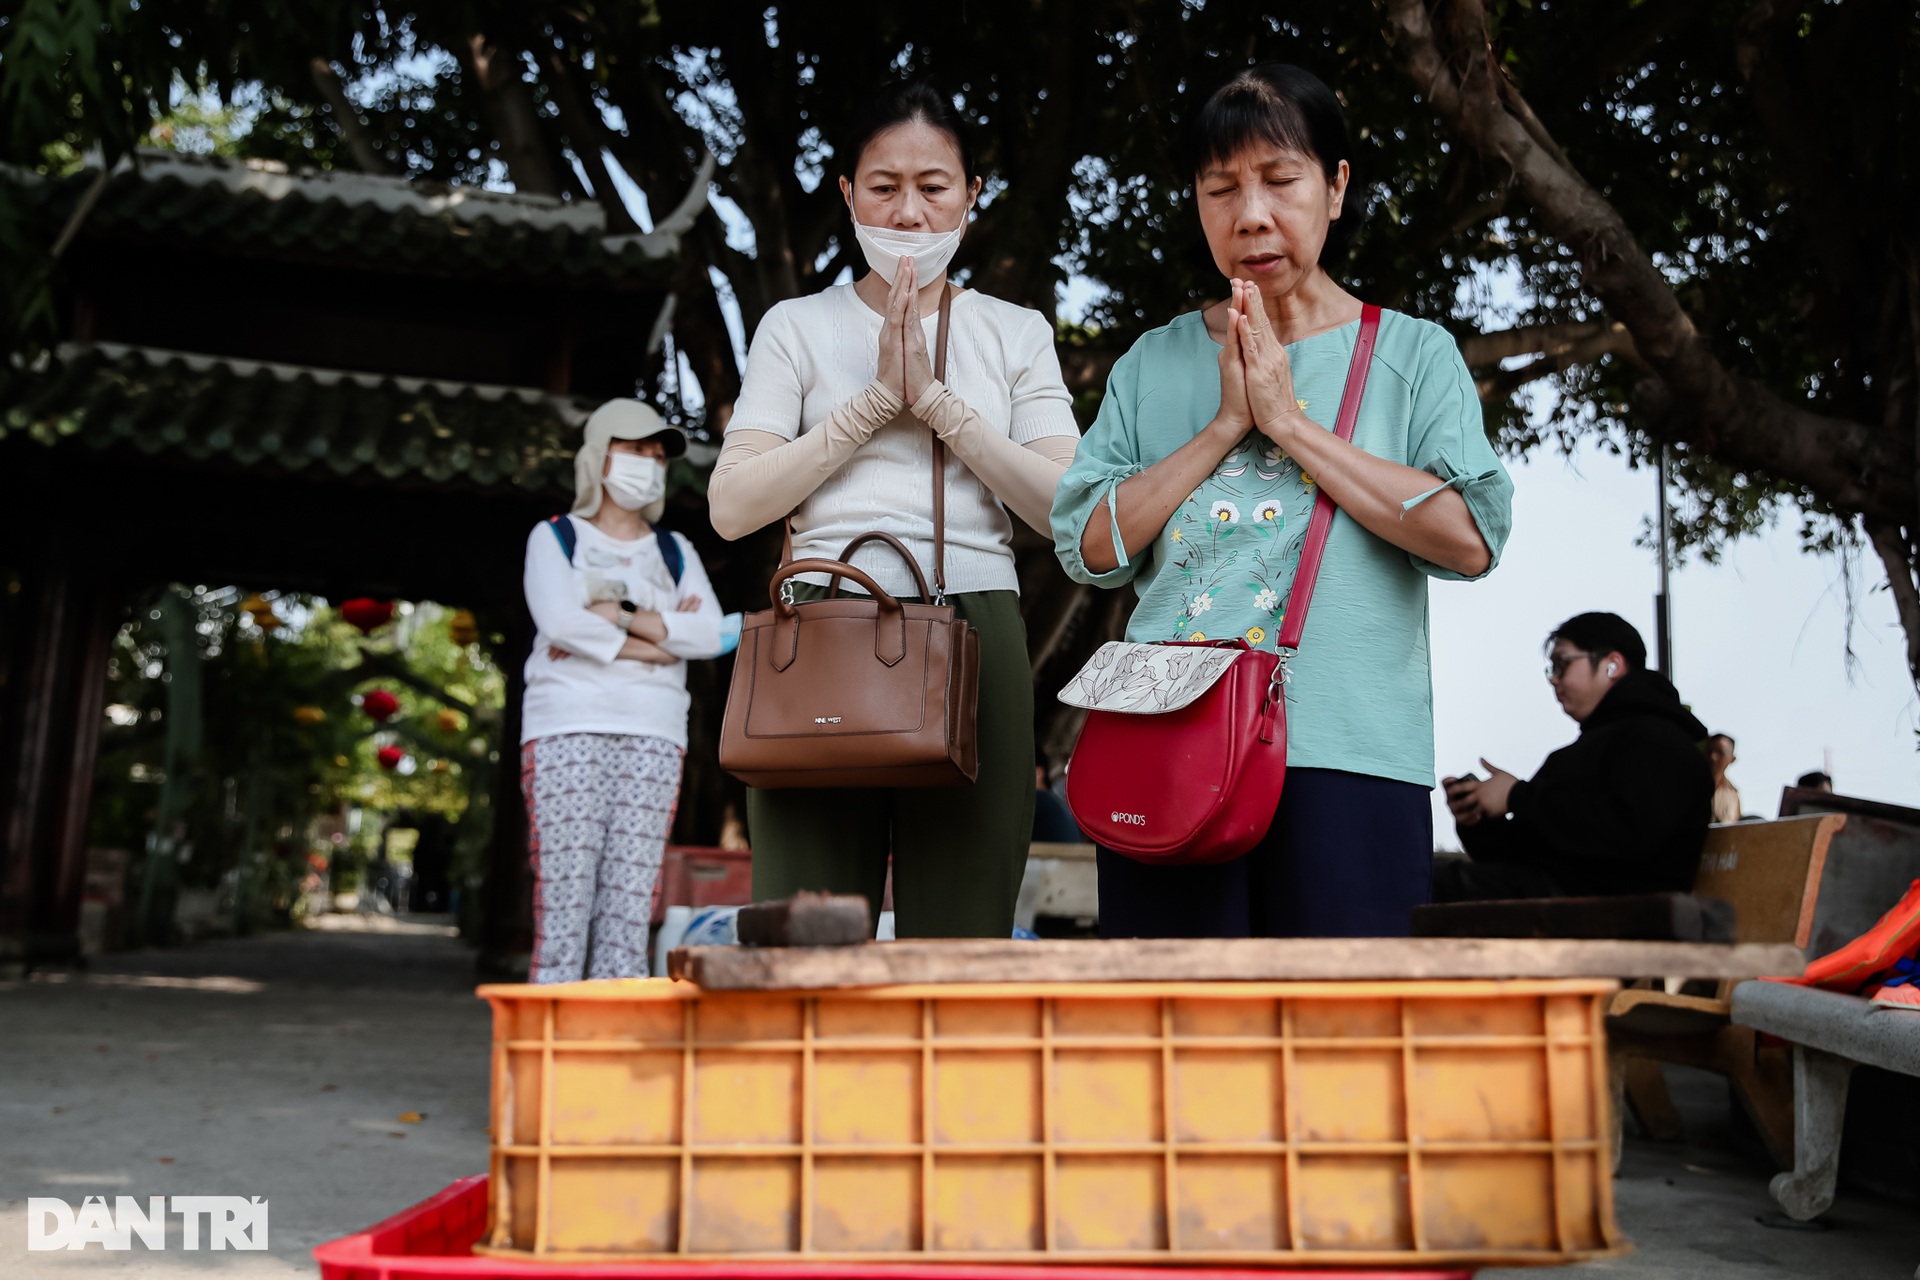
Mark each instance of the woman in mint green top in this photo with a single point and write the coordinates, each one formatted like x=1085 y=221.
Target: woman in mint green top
x=1195 y=485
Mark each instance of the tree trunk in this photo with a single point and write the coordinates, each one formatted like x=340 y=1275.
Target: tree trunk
x=700 y=331
x=510 y=112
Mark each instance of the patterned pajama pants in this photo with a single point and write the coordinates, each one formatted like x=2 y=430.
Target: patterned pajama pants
x=599 y=806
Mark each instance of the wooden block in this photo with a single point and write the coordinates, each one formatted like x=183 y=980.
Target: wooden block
x=1653 y=917
x=806 y=920
x=1220 y=960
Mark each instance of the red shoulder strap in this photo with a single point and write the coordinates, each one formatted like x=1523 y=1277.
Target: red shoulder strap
x=1309 y=571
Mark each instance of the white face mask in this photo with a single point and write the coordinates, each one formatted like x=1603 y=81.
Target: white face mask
x=634 y=482
x=931 y=251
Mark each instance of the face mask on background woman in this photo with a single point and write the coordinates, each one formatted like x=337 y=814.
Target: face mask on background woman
x=634 y=482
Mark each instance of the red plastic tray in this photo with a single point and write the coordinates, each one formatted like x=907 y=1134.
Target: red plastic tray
x=433 y=1239
x=696 y=876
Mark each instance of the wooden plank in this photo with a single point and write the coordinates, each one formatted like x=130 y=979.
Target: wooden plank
x=1219 y=960
x=1651 y=917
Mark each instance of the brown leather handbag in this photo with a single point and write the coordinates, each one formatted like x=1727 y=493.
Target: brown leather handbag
x=853 y=692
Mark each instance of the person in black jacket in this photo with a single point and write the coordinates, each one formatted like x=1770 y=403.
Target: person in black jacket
x=1622 y=809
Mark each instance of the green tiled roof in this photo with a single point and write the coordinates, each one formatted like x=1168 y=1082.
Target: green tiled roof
x=258 y=210
x=192 y=410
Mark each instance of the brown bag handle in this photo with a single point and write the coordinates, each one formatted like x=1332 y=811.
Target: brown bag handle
x=876 y=535
x=784 y=609
x=889 y=623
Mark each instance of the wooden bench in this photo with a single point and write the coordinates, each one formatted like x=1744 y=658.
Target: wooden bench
x=1831 y=1034
x=1770 y=872
x=1758 y=883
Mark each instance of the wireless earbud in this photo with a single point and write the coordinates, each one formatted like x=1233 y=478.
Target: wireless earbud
x=1611 y=668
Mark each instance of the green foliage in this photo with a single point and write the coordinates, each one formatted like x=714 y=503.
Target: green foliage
x=200 y=124
x=265 y=768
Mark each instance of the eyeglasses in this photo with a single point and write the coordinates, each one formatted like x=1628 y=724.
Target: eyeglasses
x=1558 y=664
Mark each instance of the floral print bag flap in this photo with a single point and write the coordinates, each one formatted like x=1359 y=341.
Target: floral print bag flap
x=1184 y=752
x=1146 y=678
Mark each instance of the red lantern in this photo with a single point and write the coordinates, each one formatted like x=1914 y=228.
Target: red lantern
x=366 y=614
x=379 y=704
x=390 y=757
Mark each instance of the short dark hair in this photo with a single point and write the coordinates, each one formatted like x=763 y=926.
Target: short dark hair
x=1599 y=634
x=905 y=102
x=1727 y=736
x=1281 y=105
x=1814 y=779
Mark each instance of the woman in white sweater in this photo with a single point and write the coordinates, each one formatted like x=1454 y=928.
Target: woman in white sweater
x=835 y=426
x=619 y=606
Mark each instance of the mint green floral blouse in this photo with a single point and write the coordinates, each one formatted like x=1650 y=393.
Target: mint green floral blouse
x=1361 y=694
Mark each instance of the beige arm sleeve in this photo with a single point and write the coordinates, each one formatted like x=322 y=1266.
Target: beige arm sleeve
x=760 y=478
x=1023 y=477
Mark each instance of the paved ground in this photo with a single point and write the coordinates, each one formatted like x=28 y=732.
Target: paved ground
x=276 y=1067
x=280 y=1067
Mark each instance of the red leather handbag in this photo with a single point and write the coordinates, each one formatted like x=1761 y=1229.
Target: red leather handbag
x=1184 y=751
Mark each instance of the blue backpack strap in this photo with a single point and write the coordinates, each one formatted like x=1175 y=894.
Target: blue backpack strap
x=670 y=552
x=562 y=527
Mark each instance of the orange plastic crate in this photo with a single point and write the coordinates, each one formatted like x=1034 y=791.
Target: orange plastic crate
x=1329 y=1124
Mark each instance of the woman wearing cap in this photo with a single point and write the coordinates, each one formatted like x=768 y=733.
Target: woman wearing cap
x=835 y=425
x=619 y=606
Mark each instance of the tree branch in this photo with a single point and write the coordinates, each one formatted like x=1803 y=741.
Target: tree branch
x=1496 y=385
x=1745 y=425
x=1548 y=339
x=1897 y=556
x=327 y=81
x=585 y=134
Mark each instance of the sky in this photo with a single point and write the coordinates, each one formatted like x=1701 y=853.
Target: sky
x=1759 y=643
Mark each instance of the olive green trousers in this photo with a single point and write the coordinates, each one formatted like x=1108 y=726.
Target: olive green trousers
x=958 y=852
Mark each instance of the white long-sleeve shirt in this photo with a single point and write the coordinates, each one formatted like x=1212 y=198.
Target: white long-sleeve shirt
x=592 y=691
x=813 y=354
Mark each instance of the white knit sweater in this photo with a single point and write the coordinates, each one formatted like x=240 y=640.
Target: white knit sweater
x=812 y=354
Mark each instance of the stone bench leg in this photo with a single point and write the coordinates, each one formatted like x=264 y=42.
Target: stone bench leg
x=1819 y=1109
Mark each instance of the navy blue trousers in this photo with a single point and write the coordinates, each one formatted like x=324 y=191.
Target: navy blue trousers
x=1348 y=856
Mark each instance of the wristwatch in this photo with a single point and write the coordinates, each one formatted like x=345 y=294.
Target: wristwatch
x=627 y=609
